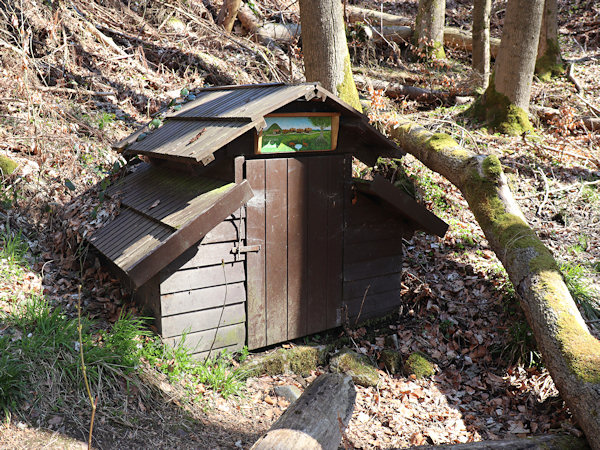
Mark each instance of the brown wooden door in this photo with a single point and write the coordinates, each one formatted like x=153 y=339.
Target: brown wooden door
x=296 y=216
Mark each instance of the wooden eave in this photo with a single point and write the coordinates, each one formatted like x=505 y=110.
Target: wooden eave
x=404 y=204
x=163 y=213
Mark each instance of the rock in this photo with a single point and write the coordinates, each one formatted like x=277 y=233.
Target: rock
x=7 y=166
x=289 y=392
x=418 y=365
x=357 y=366
x=300 y=360
x=391 y=360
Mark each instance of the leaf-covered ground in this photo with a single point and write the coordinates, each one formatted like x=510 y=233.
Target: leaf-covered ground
x=77 y=77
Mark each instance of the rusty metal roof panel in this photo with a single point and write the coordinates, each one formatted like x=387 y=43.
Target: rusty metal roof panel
x=156 y=204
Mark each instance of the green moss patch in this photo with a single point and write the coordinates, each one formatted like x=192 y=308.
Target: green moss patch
x=346 y=90
x=497 y=111
x=418 y=365
x=300 y=360
x=357 y=366
x=391 y=359
x=549 y=64
x=7 y=165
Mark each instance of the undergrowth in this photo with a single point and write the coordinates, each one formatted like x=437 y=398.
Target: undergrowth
x=40 y=361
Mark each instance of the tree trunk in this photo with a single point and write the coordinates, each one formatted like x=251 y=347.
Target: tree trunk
x=429 y=28
x=570 y=352
x=506 y=101
x=326 y=56
x=317 y=419
x=549 y=61
x=228 y=13
x=481 y=41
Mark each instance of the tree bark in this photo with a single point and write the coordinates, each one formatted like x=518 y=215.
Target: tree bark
x=506 y=101
x=570 y=352
x=317 y=419
x=375 y=18
x=326 y=56
x=429 y=28
x=397 y=90
x=549 y=61
x=228 y=13
x=481 y=41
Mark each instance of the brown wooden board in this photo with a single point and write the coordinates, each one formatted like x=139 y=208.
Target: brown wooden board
x=335 y=228
x=226 y=231
x=148 y=296
x=367 y=251
x=203 y=320
x=373 y=305
x=204 y=340
x=297 y=250
x=255 y=262
x=197 y=299
x=317 y=243
x=186 y=280
x=204 y=255
x=203 y=356
x=276 y=249
x=375 y=285
x=372 y=268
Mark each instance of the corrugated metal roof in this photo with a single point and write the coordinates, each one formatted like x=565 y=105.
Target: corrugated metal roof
x=157 y=204
x=216 y=118
x=221 y=114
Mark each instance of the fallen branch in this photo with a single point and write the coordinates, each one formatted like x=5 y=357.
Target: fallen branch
x=317 y=419
x=572 y=79
x=571 y=353
x=547 y=113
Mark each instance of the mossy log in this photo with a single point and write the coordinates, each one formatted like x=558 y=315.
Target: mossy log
x=570 y=352
x=317 y=419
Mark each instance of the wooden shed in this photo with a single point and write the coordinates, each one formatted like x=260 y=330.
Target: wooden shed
x=245 y=227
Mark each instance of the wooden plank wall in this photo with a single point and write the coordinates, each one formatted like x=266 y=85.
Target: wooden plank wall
x=372 y=258
x=294 y=283
x=203 y=292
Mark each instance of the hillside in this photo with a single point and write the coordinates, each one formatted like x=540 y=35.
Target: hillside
x=78 y=76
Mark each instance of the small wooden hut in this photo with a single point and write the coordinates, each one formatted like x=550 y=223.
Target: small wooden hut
x=245 y=226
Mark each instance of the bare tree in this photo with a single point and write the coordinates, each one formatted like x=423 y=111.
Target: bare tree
x=325 y=49
x=481 y=41
x=549 y=62
x=428 y=36
x=505 y=103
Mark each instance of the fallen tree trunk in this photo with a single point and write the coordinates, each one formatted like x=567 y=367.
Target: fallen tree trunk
x=317 y=419
x=399 y=29
x=546 y=442
x=570 y=352
x=396 y=90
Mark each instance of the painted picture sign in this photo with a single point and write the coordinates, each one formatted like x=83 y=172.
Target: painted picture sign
x=299 y=132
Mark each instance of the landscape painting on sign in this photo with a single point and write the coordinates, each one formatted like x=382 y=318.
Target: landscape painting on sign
x=297 y=134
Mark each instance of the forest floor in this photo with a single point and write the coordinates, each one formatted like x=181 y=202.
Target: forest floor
x=101 y=69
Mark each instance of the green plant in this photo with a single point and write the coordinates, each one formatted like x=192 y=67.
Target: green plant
x=582 y=291
x=14 y=246
x=521 y=347
x=103 y=119
x=12 y=381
